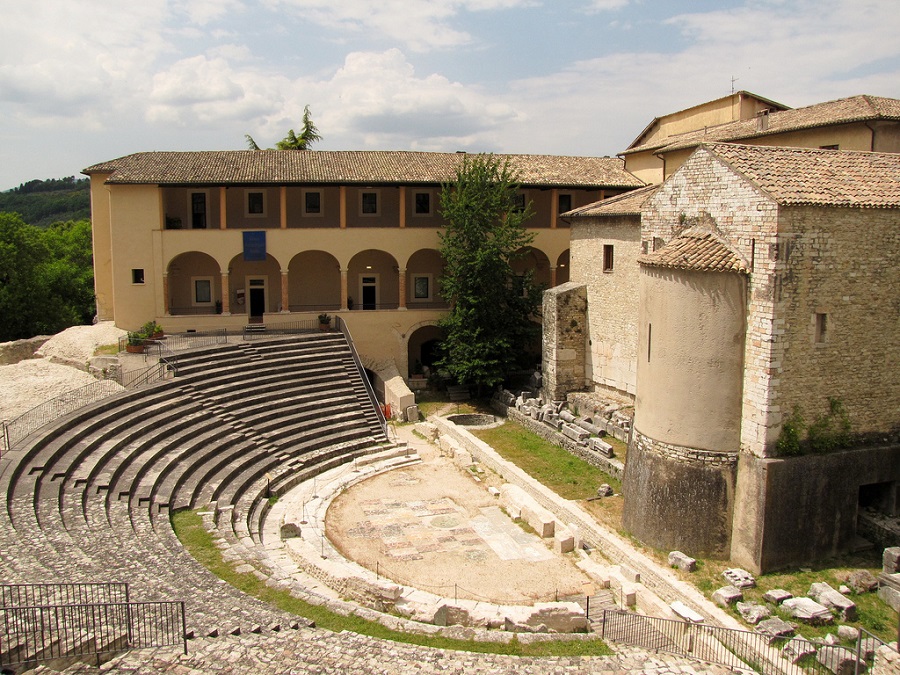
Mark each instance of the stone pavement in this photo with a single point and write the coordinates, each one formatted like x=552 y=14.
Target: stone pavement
x=319 y=652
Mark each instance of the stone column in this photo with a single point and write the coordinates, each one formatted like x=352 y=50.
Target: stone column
x=226 y=294
x=402 y=286
x=402 y=208
x=282 y=196
x=343 y=207
x=285 y=296
x=344 y=293
x=552 y=274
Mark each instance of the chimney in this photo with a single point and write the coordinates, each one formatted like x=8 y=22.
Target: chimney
x=762 y=120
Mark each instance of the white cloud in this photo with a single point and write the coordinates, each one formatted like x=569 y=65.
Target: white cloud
x=595 y=6
x=422 y=25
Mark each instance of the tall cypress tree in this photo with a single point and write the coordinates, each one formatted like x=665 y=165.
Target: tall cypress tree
x=490 y=324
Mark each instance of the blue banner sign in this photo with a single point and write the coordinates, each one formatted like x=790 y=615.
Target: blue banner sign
x=255 y=246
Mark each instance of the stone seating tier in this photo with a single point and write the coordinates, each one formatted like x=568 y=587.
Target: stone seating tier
x=88 y=497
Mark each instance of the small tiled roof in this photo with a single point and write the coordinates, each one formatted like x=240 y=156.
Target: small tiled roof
x=626 y=204
x=280 y=167
x=860 y=108
x=805 y=176
x=696 y=249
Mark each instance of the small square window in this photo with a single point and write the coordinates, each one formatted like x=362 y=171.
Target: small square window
x=368 y=203
x=312 y=203
x=422 y=204
x=137 y=276
x=607 y=257
x=565 y=203
x=256 y=203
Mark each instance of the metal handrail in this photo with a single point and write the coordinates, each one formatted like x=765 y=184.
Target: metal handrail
x=23 y=595
x=341 y=325
x=32 y=634
x=713 y=644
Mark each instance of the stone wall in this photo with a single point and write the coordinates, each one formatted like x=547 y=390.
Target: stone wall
x=679 y=498
x=564 y=336
x=20 y=350
x=611 y=297
x=706 y=191
x=808 y=504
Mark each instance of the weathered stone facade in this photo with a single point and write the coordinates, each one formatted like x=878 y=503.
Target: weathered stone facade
x=564 y=337
x=611 y=297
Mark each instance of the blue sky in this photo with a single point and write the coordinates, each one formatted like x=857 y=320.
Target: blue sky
x=83 y=81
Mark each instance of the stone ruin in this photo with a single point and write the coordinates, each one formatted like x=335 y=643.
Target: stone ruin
x=583 y=435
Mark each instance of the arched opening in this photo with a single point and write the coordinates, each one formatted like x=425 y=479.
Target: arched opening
x=423 y=350
x=314 y=282
x=562 y=268
x=373 y=281
x=530 y=258
x=194 y=284
x=254 y=287
x=423 y=274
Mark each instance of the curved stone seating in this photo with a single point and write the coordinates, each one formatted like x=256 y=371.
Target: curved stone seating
x=88 y=496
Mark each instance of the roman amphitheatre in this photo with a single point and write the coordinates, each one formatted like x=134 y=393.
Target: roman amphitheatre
x=304 y=491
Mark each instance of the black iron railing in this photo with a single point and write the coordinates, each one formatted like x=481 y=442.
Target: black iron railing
x=48 y=622
x=737 y=649
x=257 y=331
x=341 y=325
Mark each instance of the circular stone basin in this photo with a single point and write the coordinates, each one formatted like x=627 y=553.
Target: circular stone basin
x=472 y=420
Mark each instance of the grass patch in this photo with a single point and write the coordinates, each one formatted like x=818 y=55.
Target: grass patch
x=569 y=476
x=107 y=350
x=188 y=526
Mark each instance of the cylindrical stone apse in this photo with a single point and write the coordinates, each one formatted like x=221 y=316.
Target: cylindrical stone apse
x=682 y=462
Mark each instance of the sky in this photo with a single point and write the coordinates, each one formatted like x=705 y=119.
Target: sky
x=85 y=81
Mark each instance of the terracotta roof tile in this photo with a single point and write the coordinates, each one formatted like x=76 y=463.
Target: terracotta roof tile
x=350 y=167
x=626 y=204
x=696 y=249
x=843 y=111
x=804 y=176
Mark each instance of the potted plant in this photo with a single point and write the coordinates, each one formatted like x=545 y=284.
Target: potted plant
x=135 y=343
x=324 y=321
x=152 y=330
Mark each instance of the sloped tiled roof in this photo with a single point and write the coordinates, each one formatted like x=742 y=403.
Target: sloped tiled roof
x=626 y=204
x=805 y=176
x=696 y=249
x=274 y=167
x=860 y=108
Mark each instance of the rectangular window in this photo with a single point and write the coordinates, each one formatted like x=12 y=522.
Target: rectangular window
x=255 y=203
x=565 y=203
x=519 y=202
x=137 y=276
x=829 y=147
x=198 y=210
x=422 y=287
x=607 y=257
x=368 y=203
x=202 y=290
x=312 y=203
x=821 y=327
x=422 y=204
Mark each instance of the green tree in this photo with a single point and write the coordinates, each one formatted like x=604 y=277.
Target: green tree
x=489 y=326
x=309 y=134
x=46 y=277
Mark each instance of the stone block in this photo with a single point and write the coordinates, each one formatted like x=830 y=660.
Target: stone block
x=777 y=595
x=890 y=560
x=774 y=628
x=567 y=416
x=752 y=612
x=412 y=413
x=739 y=578
x=847 y=633
x=682 y=561
x=840 y=661
x=605 y=490
x=727 y=596
x=290 y=531
x=577 y=434
x=601 y=446
x=891 y=596
x=685 y=612
x=828 y=596
x=797 y=648
x=629 y=574
x=563 y=540
x=808 y=611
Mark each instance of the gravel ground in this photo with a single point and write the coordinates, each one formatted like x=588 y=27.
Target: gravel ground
x=58 y=367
